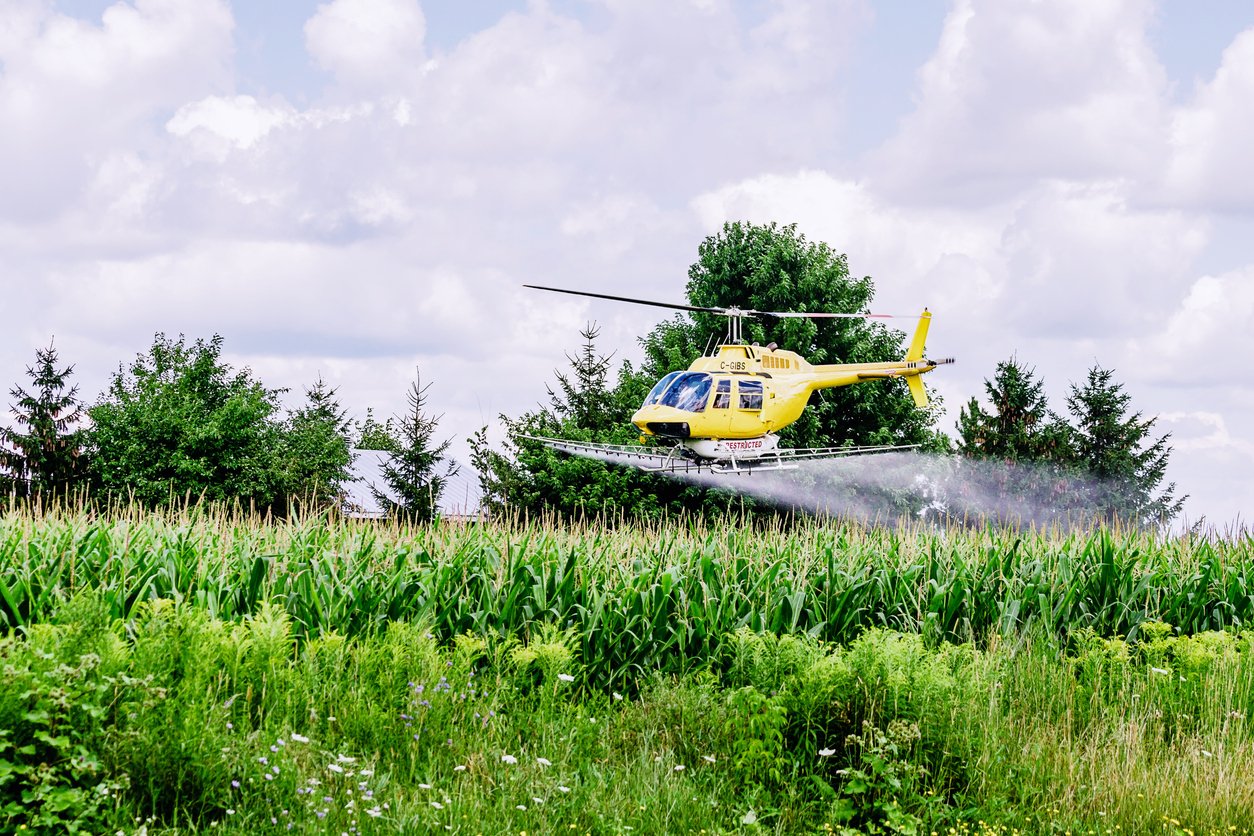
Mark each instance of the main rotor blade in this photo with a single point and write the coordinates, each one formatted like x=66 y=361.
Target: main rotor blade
x=723 y=311
x=823 y=315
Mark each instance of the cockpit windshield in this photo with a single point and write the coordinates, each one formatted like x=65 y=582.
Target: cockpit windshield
x=656 y=394
x=689 y=392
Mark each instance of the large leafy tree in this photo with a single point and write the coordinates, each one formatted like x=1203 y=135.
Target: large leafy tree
x=1126 y=463
x=415 y=468
x=181 y=422
x=43 y=453
x=318 y=449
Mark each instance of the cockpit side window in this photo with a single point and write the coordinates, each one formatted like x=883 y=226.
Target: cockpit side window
x=689 y=392
x=750 y=394
x=656 y=394
x=722 y=395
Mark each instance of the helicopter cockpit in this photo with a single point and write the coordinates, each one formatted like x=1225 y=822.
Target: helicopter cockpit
x=687 y=391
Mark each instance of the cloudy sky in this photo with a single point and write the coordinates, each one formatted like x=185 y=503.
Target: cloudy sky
x=352 y=189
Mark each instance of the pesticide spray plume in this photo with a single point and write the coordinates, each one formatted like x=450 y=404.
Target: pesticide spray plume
x=892 y=489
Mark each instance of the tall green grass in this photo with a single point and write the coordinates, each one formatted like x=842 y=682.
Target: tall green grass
x=175 y=722
x=638 y=600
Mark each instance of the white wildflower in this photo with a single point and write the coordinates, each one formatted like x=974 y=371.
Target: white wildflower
x=561 y=788
x=708 y=758
x=335 y=767
x=617 y=696
x=679 y=767
x=544 y=761
x=437 y=805
x=461 y=767
x=826 y=753
x=1160 y=671
x=508 y=759
x=299 y=738
x=565 y=677
x=424 y=786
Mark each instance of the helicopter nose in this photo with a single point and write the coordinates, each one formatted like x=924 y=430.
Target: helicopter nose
x=661 y=420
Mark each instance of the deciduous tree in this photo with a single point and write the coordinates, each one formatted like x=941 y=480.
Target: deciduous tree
x=180 y=422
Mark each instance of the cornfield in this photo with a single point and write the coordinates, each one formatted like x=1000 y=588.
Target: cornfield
x=638 y=599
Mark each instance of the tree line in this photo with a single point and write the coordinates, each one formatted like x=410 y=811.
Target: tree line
x=179 y=422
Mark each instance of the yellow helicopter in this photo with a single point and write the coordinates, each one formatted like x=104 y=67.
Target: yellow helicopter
x=723 y=412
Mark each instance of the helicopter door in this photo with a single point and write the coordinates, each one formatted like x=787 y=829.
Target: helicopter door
x=747 y=412
x=719 y=415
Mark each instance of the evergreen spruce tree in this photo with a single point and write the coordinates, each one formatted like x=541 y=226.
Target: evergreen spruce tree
x=527 y=477
x=1116 y=449
x=414 y=468
x=319 y=454
x=43 y=454
x=584 y=399
x=1021 y=426
x=1027 y=447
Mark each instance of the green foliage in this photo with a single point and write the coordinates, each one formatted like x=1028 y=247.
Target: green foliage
x=755 y=725
x=317 y=450
x=371 y=435
x=415 y=469
x=55 y=708
x=638 y=598
x=528 y=478
x=43 y=456
x=191 y=723
x=1020 y=427
x=1104 y=466
x=882 y=783
x=1116 y=449
x=179 y=422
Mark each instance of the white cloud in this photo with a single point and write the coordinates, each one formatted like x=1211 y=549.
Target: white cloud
x=72 y=93
x=1212 y=165
x=228 y=122
x=371 y=44
x=1206 y=332
x=1018 y=92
